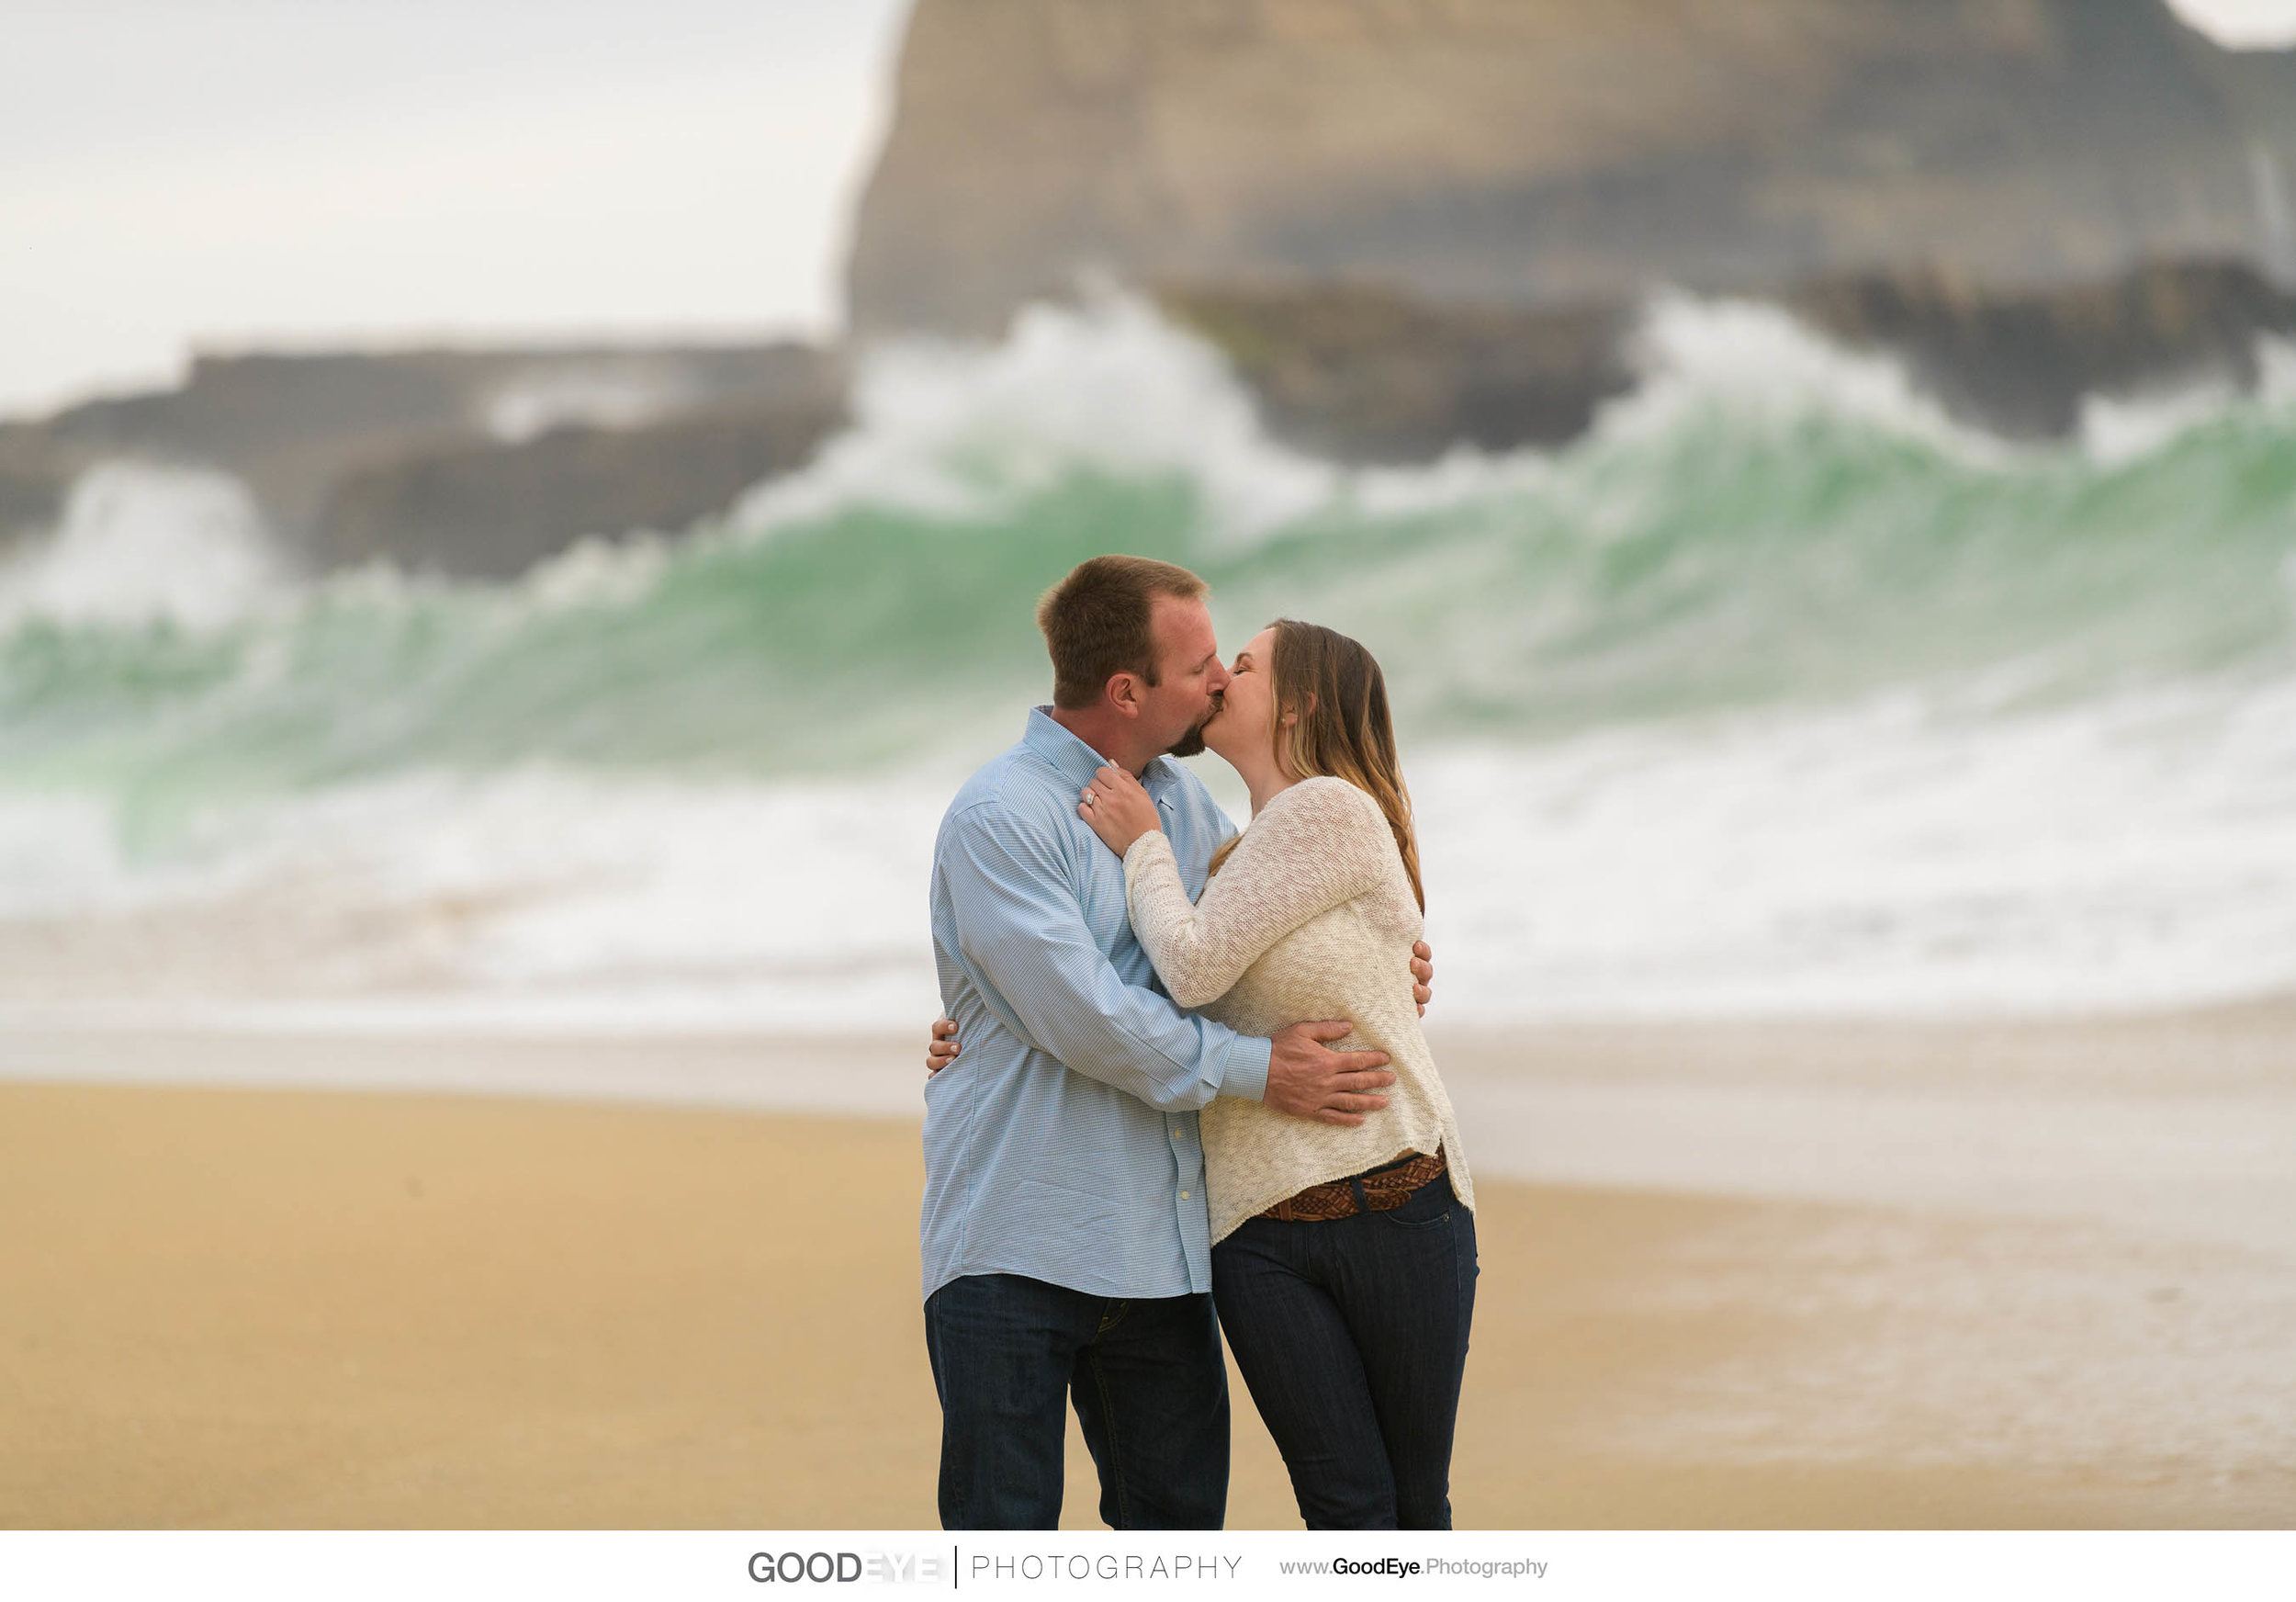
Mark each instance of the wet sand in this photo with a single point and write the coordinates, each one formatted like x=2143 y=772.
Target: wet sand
x=295 y=1307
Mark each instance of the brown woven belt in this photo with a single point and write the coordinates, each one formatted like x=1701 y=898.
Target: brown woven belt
x=1384 y=1191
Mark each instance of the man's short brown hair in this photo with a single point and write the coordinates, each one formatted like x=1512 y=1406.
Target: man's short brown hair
x=1095 y=623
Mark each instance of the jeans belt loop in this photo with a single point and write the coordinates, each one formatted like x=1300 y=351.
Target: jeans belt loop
x=1363 y=1202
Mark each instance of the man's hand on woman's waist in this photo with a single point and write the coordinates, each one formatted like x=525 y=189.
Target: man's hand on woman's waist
x=1308 y=1079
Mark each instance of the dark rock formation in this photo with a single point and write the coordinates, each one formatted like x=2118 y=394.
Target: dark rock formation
x=34 y=477
x=1366 y=374
x=2020 y=364
x=1372 y=375
x=301 y=429
x=1558 y=152
x=493 y=510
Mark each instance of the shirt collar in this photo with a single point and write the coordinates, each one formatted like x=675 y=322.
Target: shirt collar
x=1075 y=760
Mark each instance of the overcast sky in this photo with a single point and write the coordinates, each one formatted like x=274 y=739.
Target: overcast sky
x=232 y=172
x=242 y=172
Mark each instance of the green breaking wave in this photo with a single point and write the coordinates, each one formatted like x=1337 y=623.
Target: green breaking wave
x=1720 y=563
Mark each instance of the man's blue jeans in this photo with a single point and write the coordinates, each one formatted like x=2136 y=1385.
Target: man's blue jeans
x=1149 y=1387
x=1351 y=1334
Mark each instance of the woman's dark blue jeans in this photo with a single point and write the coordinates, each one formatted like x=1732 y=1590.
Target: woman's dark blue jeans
x=1352 y=1334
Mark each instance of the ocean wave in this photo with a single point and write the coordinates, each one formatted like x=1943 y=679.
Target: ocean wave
x=1763 y=518
x=1778 y=676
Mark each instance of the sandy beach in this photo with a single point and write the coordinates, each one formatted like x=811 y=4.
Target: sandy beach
x=303 y=1300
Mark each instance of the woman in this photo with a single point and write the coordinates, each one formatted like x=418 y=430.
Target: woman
x=1344 y=1258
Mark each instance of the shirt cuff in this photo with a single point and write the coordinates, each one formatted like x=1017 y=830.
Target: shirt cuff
x=1246 y=1075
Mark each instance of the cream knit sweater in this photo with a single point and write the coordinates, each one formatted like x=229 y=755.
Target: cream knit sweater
x=1310 y=916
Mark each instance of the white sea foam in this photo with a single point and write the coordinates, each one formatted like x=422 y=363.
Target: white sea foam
x=597 y=571
x=537 y=897
x=2118 y=429
x=1893 y=858
x=1899 y=857
x=951 y=430
x=139 y=543
x=1760 y=362
x=608 y=395
x=60 y=858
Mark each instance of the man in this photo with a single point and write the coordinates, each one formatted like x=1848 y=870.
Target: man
x=1065 y=1243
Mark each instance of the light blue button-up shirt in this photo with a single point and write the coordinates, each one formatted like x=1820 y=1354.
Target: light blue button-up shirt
x=1062 y=1144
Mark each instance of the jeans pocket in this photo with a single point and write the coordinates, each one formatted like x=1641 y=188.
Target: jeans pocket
x=1416 y=1226
x=1427 y=1208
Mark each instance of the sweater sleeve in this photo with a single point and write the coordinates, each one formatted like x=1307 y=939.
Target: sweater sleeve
x=1318 y=844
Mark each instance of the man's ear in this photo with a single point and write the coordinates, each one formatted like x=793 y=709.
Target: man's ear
x=1123 y=694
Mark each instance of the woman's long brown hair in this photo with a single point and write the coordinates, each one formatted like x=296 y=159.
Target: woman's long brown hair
x=1344 y=731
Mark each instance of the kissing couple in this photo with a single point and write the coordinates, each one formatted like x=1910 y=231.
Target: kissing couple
x=1193 y=1096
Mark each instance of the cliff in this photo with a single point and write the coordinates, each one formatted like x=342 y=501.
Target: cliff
x=1556 y=152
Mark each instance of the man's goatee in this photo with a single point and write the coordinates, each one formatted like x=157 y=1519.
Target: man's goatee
x=1192 y=743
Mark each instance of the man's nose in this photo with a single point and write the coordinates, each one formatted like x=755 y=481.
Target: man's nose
x=1218 y=679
